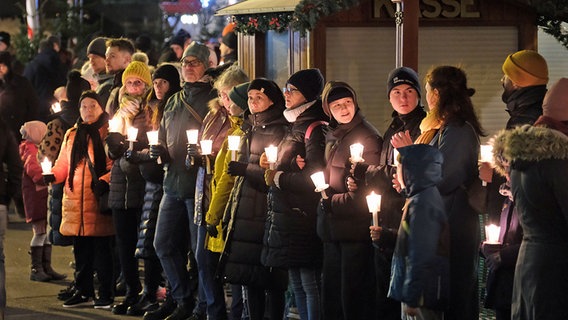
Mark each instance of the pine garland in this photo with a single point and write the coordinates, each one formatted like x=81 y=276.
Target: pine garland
x=252 y=23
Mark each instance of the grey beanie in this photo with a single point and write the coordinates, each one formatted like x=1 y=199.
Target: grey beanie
x=198 y=50
x=98 y=47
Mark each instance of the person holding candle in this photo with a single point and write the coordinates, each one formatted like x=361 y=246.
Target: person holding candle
x=536 y=160
x=420 y=265
x=176 y=234
x=118 y=56
x=290 y=239
x=241 y=263
x=452 y=126
x=348 y=279
x=85 y=169
x=34 y=192
x=215 y=127
x=127 y=186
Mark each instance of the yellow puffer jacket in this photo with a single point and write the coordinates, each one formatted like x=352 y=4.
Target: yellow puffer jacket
x=81 y=215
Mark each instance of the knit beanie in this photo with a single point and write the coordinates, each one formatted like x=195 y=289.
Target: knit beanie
x=230 y=40
x=5 y=37
x=93 y=95
x=33 y=131
x=98 y=47
x=403 y=75
x=76 y=85
x=197 y=50
x=335 y=90
x=555 y=104
x=310 y=83
x=269 y=88
x=169 y=73
x=526 y=68
x=239 y=95
x=139 y=70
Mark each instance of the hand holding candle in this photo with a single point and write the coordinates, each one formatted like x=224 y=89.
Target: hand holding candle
x=132 y=133
x=206 y=149
x=46 y=166
x=318 y=179
x=234 y=142
x=356 y=150
x=56 y=107
x=374 y=204
x=271 y=155
x=486 y=155
x=492 y=234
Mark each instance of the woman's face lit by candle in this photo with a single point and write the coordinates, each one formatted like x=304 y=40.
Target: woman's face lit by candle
x=90 y=110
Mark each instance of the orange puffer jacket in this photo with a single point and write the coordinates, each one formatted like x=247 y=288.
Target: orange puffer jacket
x=81 y=215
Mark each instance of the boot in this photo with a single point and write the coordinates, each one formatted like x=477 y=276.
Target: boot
x=38 y=274
x=47 y=264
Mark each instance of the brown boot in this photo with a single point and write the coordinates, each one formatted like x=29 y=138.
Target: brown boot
x=38 y=274
x=47 y=264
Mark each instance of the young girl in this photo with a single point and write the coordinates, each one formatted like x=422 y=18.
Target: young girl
x=34 y=192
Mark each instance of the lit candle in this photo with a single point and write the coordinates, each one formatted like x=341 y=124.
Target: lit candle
x=132 y=133
x=113 y=125
x=356 y=150
x=374 y=204
x=395 y=157
x=486 y=155
x=46 y=166
x=152 y=137
x=492 y=234
x=318 y=179
x=271 y=155
x=206 y=147
x=192 y=135
x=56 y=107
x=234 y=142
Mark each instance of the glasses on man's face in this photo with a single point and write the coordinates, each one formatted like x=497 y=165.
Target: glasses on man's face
x=289 y=90
x=135 y=83
x=193 y=63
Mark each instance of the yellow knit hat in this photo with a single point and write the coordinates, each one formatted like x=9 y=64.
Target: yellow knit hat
x=526 y=68
x=139 y=70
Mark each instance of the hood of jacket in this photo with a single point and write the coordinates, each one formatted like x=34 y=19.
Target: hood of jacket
x=528 y=144
x=421 y=167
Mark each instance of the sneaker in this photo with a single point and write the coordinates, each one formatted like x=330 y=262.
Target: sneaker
x=104 y=303
x=77 y=300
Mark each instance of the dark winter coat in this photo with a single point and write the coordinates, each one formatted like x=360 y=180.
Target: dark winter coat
x=18 y=103
x=420 y=266
x=248 y=202
x=11 y=178
x=145 y=244
x=539 y=170
x=290 y=239
x=178 y=181
x=34 y=191
x=348 y=218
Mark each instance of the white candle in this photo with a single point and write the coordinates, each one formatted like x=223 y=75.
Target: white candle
x=486 y=155
x=56 y=107
x=374 y=204
x=395 y=157
x=152 y=137
x=234 y=143
x=46 y=166
x=356 y=150
x=318 y=179
x=492 y=234
x=132 y=133
x=271 y=155
x=113 y=125
x=206 y=147
x=192 y=135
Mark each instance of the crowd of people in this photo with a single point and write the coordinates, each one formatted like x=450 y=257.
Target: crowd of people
x=139 y=163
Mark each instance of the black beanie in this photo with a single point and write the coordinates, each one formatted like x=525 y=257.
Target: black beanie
x=93 y=95
x=230 y=40
x=269 y=88
x=339 y=93
x=76 y=85
x=309 y=82
x=97 y=46
x=170 y=73
x=403 y=75
x=239 y=95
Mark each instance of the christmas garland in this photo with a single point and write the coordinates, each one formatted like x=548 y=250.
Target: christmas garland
x=252 y=23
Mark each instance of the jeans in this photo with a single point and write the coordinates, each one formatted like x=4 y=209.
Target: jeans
x=305 y=283
x=3 y=227
x=175 y=235
x=211 y=287
x=126 y=224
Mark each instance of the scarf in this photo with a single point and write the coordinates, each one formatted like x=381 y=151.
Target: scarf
x=429 y=127
x=80 y=148
x=552 y=124
x=292 y=114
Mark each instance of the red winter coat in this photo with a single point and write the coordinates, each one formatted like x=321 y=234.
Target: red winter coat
x=34 y=191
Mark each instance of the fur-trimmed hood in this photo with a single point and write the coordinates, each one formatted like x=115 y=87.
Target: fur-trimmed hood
x=528 y=143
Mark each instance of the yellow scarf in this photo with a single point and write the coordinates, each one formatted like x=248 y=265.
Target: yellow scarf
x=428 y=128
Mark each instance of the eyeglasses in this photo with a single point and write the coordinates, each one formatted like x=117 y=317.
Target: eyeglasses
x=289 y=90
x=136 y=83
x=193 y=63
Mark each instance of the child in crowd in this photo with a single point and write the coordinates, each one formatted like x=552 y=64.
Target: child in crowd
x=34 y=192
x=420 y=266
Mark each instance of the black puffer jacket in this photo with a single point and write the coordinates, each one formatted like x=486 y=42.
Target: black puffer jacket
x=248 y=202
x=290 y=239
x=10 y=179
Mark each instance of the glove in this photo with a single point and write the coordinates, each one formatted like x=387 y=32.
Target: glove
x=493 y=261
x=325 y=205
x=100 y=188
x=115 y=144
x=137 y=156
x=492 y=255
x=212 y=230
x=269 y=177
x=236 y=168
x=193 y=157
x=193 y=150
x=159 y=151
x=48 y=178
x=358 y=170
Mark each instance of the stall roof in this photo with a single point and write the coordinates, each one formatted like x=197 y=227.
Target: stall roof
x=258 y=6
